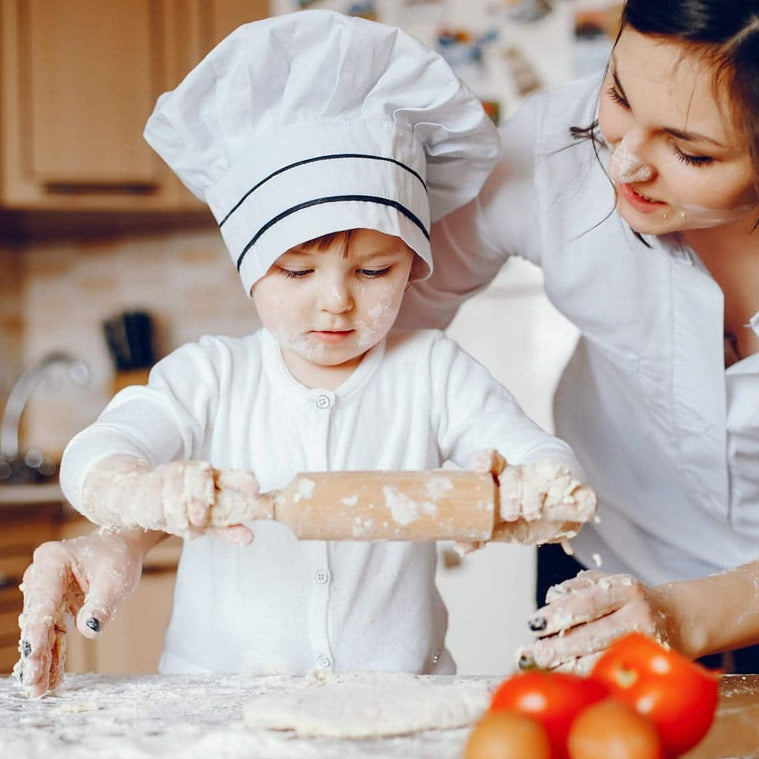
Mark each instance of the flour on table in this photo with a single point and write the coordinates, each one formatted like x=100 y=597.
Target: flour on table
x=370 y=705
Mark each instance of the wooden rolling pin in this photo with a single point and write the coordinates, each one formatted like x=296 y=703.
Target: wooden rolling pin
x=400 y=505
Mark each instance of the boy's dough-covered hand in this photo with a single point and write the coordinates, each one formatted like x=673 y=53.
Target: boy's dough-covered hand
x=543 y=490
x=584 y=615
x=539 y=502
x=177 y=497
x=72 y=581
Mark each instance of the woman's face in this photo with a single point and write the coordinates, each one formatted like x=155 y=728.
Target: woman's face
x=678 y=161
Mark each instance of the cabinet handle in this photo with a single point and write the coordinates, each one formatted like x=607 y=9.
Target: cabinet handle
x=155 y=570
x=95 y=188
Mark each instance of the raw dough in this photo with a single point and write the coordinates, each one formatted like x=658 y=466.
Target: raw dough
x=370 y=705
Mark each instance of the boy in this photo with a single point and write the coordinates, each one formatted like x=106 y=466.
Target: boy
x=325 y=146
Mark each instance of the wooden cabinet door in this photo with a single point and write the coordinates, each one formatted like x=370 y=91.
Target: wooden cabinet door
x=227 y=15
x=79 y=79
x=92 y=71
x=218 y=18
x=132 y=641
x=22 y=529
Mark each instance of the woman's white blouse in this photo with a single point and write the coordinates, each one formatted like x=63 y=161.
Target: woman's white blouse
x=667 y=436
x=284 y=606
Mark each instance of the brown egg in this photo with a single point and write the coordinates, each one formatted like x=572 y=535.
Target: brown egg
x=611 y=729
x=507 y=735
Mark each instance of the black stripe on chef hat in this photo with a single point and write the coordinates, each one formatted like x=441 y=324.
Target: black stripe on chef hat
x=329 y=199
x=313 y=160
x=332 y=199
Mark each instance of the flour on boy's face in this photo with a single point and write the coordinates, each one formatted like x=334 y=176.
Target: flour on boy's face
x=329 y=306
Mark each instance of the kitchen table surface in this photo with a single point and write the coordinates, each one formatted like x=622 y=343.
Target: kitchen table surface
x=123 y=717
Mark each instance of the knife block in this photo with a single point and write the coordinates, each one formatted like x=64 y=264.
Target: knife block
x=123 y=379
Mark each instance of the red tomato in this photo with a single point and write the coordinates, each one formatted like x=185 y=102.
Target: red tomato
x=551 y=698
x=677 y=695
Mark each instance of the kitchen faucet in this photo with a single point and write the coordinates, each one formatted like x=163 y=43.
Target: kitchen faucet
x=22 y=389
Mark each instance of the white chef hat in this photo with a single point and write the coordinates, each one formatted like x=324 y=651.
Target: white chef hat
x=314 y=122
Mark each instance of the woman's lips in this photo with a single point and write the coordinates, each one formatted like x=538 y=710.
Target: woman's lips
x=332 y=336
x=637 y=201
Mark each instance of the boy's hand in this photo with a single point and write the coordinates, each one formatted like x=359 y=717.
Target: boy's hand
x=544 y=490
x=80 y=580
x=176 y=497
x=539 y=502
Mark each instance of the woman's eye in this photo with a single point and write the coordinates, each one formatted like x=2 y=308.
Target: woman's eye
x=295 y=273
x=374 y=273
x=691 y=160
x=613 y=93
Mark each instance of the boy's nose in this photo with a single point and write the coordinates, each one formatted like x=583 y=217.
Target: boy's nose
x=337 y=298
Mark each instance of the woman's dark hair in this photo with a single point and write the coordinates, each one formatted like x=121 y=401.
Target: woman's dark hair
x=726 y=32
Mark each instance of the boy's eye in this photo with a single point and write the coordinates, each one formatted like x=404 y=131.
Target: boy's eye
x=295 y=273
x=373 y=273
x=613 y=93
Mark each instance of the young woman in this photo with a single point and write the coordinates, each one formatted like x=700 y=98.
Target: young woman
x=638 y=196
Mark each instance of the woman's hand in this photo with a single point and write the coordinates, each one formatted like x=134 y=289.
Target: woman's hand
x=584 y=615
x=179 y=497
x=78 y=581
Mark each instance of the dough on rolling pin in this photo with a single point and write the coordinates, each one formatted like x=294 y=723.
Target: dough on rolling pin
x=370 y=705
x=542 y=503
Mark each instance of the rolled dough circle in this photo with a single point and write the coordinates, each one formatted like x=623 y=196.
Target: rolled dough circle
x=370 y=705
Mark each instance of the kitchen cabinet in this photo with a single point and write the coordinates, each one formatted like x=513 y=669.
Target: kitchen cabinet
x=78 y=80
x=132 y=641
x=22 y=529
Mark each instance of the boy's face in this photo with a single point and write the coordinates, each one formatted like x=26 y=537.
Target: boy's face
x=326 y=308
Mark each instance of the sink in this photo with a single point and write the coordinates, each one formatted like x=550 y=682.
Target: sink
x=32 y=467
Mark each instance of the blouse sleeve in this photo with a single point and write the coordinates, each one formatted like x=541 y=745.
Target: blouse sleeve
x=470 y=245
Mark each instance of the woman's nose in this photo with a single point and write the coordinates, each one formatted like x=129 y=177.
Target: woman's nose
x=627 y=162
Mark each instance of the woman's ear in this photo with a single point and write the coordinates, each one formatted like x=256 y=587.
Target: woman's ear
x=408 y=286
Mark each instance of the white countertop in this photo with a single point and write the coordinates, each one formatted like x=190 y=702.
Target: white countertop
x=183 y=717
x=136 y=717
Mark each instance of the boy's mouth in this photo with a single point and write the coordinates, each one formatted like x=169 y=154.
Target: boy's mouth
x=332 y=336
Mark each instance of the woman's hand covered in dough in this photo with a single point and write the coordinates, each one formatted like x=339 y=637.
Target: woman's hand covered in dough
x=584 y=615
x=80 y=580
x=179 y=497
